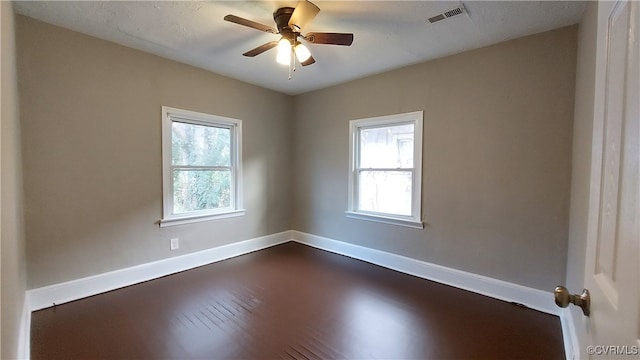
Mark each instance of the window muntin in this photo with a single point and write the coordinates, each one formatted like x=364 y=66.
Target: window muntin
x=385 y=169
x=201 y=166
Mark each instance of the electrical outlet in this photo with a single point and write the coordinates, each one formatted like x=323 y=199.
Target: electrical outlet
x=175 y=244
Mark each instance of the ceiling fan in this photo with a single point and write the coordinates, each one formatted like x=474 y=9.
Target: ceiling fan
x=290 y=23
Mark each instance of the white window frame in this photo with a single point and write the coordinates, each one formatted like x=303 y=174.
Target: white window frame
x=415 y=219
x=169 y=115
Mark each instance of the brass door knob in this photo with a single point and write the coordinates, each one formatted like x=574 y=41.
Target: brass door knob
x=564 y=298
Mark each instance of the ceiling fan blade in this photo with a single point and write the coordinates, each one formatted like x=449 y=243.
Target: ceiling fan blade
x=249 y=23
x=260 y=49
x=303 y=14
x=330 y=38
x=309 y=61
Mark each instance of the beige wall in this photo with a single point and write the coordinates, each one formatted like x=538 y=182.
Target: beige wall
x=496 y=163
x=12 y=243
x=581 y=164
x=91 y=117
x=497 y=156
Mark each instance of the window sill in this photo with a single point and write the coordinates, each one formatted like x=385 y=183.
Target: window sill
x=385 y=219
x=198 y=218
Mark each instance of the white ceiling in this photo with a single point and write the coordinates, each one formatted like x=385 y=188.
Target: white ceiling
x=387 y=34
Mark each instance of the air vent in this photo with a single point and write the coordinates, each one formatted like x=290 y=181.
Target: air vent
x=454 y=12
x=447 y=14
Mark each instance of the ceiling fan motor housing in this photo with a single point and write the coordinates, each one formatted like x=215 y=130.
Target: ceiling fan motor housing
x=281 y=17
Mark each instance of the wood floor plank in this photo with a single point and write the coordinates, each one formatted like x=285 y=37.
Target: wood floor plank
x=293 y=302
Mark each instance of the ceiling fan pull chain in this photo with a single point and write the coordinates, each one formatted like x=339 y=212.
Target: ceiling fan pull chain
x=292 y=63
x=293 y=59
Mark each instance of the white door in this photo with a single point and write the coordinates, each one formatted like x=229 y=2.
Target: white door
x=612 y=271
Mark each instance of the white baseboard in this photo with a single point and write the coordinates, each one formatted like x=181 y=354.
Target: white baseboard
x=24 y=335
x=47 y=296
x=499 y=289
x=571 y=342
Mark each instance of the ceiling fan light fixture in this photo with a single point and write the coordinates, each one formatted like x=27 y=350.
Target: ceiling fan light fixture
x=290 y=23
x=302 y=53
x=284 y=52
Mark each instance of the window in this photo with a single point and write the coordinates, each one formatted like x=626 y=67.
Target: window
x=385 y=169
x=201 y=166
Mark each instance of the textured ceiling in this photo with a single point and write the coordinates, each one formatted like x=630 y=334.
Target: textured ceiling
x=387 y=34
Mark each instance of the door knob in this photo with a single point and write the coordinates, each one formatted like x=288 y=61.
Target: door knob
x=564 y=298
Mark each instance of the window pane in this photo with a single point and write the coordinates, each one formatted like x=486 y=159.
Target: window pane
x=200 y=145
x=385 y=191
x=195 y=190
x=387 y=147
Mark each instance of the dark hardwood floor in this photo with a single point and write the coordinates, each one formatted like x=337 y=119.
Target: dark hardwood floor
x=293 y=302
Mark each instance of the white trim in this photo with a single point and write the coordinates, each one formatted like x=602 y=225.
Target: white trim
x=415 y=118
x=47 y=296
x=385 y=219
x=569 y=335
x=24 y=336
x=235 y=208
x=498 y=289
x=193 y=219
